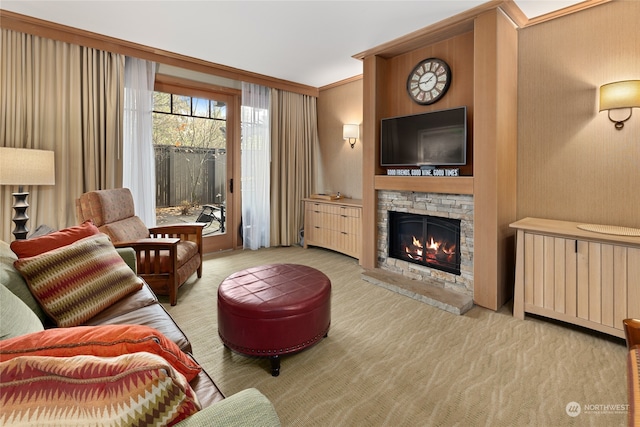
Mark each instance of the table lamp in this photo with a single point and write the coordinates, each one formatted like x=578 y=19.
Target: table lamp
x=21 y=166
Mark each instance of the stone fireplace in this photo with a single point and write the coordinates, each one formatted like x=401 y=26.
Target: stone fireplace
x=451 y=215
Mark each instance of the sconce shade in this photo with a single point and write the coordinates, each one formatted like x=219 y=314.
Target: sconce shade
x=21 y=166
x=624 y=94
x=350 y=131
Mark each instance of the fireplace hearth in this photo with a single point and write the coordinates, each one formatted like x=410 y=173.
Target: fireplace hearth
x=425 y=240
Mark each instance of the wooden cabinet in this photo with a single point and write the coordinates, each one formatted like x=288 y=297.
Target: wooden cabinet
x=334 y=224
x=582 y=277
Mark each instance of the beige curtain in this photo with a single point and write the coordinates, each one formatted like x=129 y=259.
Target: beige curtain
x=66 y=98
x=294 y=136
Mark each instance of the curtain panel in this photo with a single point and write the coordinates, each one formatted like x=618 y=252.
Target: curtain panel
x=255 y=159
x=138 y=164
x=294 y=139
x=69 y=99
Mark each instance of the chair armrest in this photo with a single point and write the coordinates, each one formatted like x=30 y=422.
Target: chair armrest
x=188 y=231
x=246 y=408
x=175 y=230
x=632 y=331
x=150 y=243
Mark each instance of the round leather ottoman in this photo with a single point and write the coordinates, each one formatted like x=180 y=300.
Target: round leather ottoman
x=273 y=310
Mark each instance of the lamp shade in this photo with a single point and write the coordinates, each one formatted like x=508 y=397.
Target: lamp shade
x=21 y=166
x=624 y=94
x=350 y=131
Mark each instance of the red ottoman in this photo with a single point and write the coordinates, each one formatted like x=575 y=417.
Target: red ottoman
x=273 y=310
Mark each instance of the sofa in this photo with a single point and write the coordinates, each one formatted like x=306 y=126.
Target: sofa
x=632 y=335
x=129 y=335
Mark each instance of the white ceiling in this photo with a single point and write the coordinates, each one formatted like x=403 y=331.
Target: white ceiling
x=307 y=42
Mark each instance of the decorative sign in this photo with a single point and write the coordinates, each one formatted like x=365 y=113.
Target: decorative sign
x=424 y=172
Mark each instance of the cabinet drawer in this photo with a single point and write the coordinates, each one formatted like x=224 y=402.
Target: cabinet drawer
x=334 y=209
x=333 y=226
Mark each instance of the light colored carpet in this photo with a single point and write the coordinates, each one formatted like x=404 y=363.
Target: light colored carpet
x=392 y=361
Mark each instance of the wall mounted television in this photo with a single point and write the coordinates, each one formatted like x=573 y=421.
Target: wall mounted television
x=432 y=139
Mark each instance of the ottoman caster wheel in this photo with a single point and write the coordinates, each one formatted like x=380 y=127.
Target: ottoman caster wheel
x=275 y=366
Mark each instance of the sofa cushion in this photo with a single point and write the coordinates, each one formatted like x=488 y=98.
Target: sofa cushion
x=106 y=341
x=132 y=389
x=75 y=282
x=12 y=280
x=36 y=246
x=154 y=316
x=16 y=318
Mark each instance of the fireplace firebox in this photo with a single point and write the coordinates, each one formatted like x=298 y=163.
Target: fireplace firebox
x=426 y=240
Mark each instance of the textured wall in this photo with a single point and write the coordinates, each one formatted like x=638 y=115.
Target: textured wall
x=339 y=166
x=572 y=163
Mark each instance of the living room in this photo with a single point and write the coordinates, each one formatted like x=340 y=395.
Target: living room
x=569 y=163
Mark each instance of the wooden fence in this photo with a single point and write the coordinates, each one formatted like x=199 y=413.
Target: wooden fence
x=195 y=175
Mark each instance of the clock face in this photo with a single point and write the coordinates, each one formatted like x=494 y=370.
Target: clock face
x=429 y=81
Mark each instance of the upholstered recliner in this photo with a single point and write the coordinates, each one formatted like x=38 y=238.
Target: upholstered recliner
x=166 y=255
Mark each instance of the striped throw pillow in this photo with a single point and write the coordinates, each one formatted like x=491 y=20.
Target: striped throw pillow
x=75 y=282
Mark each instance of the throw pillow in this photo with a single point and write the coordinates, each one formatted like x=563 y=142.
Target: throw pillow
x=103 y=340
x=57 y=239
x=132 y=389
x=75 y=282
x=16 y=319
x=12 y=280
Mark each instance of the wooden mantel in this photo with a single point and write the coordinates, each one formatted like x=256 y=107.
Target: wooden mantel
x=425 y=184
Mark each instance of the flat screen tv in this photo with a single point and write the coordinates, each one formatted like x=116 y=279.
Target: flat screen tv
x=432 y=139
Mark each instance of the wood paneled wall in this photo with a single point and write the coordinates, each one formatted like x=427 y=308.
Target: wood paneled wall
x=456 y=51
x=572 y=164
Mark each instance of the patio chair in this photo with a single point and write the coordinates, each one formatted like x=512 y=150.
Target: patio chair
x=166 y=255
x=211 y=214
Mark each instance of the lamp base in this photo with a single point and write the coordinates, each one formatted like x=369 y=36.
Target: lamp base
x=20 y=219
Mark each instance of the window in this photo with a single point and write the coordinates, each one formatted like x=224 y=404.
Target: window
x=190 y=143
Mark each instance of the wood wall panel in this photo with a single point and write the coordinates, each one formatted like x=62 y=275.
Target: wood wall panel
x=458 y=53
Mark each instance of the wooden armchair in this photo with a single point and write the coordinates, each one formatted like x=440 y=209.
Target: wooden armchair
x=166 y=255
x=632 y=332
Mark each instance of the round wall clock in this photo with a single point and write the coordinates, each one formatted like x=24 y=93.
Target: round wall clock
x=429 y=81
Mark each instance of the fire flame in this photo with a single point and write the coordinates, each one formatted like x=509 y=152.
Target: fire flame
x=435 y=250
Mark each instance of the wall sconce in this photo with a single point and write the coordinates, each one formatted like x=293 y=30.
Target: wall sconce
x=21 y=166
x=624 y=94
x=351 y=133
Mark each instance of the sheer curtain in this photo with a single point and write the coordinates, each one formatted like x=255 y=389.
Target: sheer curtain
x=138 y=159
x=66 y=98
x=255 y=166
